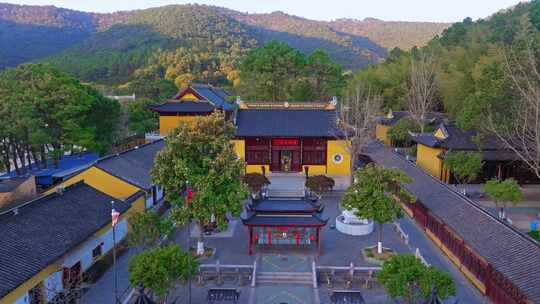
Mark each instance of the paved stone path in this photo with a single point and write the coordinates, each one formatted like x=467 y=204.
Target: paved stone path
x=336 y=250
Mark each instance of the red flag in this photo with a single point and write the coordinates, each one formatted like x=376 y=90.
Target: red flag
x=189 y=196
x=114 y=216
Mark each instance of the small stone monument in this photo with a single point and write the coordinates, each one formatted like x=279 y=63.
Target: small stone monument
x=349 y=223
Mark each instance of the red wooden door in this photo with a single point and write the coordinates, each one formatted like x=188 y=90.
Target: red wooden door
x=275 y=165
x=296 y=166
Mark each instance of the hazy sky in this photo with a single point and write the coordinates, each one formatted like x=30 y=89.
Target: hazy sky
x=410 y=10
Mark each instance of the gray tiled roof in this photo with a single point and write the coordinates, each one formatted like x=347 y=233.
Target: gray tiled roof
x=432 y=118
x=285 y=122
x=133 y=166
x=183 y=107
x=511 y=253
x=215 y=95
x=277 y=206
x=458 y=139
x=47 y=228
x=257 y=219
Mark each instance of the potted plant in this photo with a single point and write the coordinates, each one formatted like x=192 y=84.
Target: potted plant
x=319 y=184
x=255 y=182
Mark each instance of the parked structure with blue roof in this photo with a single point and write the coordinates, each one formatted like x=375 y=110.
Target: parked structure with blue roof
x=54 y=173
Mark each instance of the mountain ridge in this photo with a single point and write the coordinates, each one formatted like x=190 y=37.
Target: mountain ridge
x=66 y=36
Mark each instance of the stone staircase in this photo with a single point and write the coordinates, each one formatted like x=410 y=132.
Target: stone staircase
x=281 y=193
x=298 y=278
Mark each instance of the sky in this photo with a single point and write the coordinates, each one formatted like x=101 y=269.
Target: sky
x=402 y=10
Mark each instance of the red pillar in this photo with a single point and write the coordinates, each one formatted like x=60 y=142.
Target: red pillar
x=250 y=240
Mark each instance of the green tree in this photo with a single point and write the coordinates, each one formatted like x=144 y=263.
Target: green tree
x=465 y=166
x=319 y=184
x=399 y=133
x=326 y=77
x=502 y=193
x=147 y=228
x=48 y=108
x=405 y=276
x=141 y=118
x=270 y=72
x=369 y=197
x=161 y=268
x=202 y=155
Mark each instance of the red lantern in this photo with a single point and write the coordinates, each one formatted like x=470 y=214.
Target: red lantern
x=297 y=236
x=269 y=237
x=189 y=195
x=312 y=237
x=255 y=237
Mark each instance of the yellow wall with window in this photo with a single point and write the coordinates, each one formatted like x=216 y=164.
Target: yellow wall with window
x=427 y=158
x=103 y=182
x=338 y=158
x=381 y=132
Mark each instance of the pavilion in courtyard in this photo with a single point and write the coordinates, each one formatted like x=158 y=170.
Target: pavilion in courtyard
x=284 y=222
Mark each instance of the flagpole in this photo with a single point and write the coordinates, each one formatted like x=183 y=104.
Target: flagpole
x=114 y=253
x=188 y=238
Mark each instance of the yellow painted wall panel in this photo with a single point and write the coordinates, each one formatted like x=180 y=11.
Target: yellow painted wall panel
x=257 y=169
x=168 y=123
x=381 y=132
x=314 y=169
x=439 y=134
x=427 y=159
x=189 y=96
x=338 y=148
x=103 y=182
x=239 y=148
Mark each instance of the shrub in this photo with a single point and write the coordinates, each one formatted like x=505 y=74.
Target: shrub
x=319 y=184
x=255 y=182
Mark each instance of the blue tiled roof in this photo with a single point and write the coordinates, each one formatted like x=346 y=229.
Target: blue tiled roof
x=184 y=107
x=214 y=95
x=68 y=165
x=284 y=122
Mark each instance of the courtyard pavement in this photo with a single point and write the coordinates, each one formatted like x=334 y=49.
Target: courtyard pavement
x=336 y=250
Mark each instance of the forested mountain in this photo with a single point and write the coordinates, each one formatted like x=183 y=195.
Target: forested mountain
x=181 y=40
x=31 y=32
x=479 y=67
x=391 y=34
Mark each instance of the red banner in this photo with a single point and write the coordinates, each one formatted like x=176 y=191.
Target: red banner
x=285 y=142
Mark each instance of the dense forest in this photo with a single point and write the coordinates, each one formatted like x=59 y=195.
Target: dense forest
x=123 y=42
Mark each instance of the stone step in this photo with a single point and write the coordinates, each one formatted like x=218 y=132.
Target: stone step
x=304 y=278
x=286 y=193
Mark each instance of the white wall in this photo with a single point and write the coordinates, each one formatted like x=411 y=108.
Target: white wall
x=53 y=285
x=84 y=252
x=23 y=299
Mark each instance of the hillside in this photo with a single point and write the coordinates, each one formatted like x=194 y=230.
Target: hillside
x=391 y=34
x=473 y=62
x=177 y=42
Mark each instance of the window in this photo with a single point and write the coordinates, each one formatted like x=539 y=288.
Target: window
x=257 y=151
x=314 y=152
x=98 y=251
